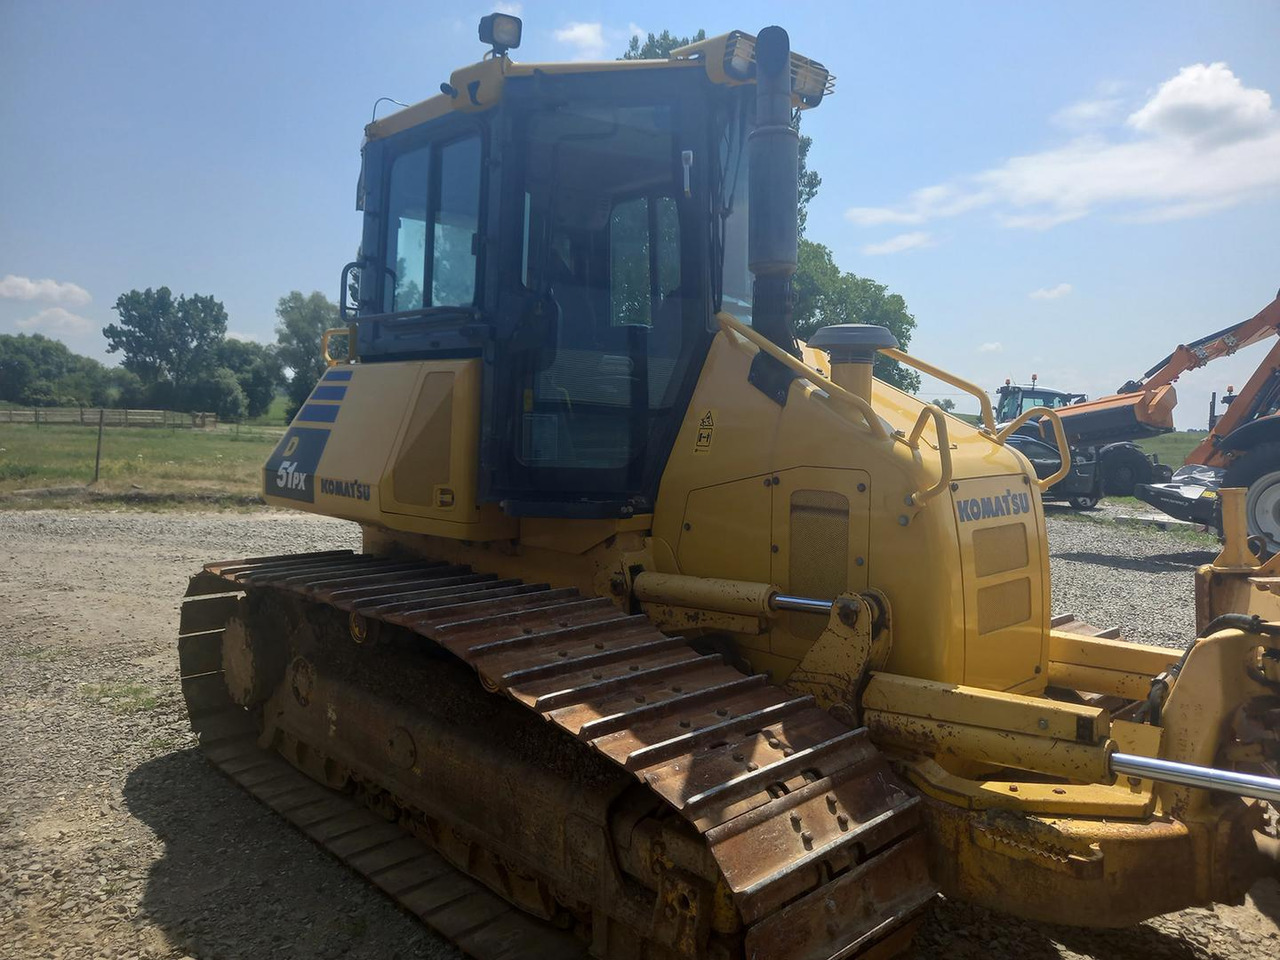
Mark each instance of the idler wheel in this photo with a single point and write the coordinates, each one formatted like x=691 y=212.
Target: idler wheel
x=253 y=665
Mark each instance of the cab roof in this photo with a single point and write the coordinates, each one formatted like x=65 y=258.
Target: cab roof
x=728 y=59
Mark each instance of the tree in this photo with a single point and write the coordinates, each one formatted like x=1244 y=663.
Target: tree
x=302 y=321
x=946 y=403
x=257 y=370
x=167 y=340
x=217 y=391
x=823 y=293
x=809 y=180
x=38 y=371
x=658 y=46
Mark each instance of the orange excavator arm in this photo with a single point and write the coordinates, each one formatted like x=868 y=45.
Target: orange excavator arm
x=1196 y=354
x=1144 y=407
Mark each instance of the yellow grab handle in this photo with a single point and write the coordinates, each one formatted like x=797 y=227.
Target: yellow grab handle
x=1060 y=436
x=944 y=450
x=984 y=402
x=324 y=344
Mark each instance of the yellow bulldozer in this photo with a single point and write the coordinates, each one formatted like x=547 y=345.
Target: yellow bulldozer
x=671 y=636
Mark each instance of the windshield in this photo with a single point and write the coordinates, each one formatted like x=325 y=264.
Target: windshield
x=1010 y=405
x=1015 y=400
x=602 y=252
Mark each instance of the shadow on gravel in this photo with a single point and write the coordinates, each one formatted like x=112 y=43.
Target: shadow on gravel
x=960 y=931
x=1156 y=563
x=1266 y=897
x=236 y=881
x=1142 y=942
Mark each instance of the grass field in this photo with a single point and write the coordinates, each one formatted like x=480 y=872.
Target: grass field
x=1172 y=448
x=222 y=462
x=275 y=413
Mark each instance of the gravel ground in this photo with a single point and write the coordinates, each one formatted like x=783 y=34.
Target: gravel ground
x=118 y=840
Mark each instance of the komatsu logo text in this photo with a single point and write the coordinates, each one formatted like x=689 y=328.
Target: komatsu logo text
x=1008 y=504
x=345 y=488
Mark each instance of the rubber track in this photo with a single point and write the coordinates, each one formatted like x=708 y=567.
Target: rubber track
x=783 y=794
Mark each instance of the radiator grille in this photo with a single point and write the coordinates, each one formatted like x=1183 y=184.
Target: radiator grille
x=819 y=563
x=1003 y=604
x=997 y=549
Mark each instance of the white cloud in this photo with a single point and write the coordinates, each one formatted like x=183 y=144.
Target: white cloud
x=247 y=337
x=1084 y=114
x=587 y=39
x=1050 y=293
x=1201 y=143
x=55 y=291
x=994 y=346
x=56 y=320
x=943 y=200
x=514 y=9
x=903 y=241
x=1207 y=104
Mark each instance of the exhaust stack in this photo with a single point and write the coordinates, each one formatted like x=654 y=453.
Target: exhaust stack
x=774 y=152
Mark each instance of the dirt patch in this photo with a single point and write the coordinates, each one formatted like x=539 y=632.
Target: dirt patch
x=66 y=497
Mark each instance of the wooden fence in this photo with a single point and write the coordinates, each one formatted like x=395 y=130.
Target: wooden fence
x=88 y=416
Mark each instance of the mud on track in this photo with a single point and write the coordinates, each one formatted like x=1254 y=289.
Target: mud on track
x=117 y=839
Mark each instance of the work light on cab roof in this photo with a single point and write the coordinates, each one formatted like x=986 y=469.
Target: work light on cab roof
x=501 y=31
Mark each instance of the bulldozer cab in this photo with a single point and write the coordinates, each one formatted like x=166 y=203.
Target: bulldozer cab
x=579 y=236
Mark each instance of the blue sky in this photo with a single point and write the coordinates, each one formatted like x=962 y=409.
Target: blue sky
x=1068 y=189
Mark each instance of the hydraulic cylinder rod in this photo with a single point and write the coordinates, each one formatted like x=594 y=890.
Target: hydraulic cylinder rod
x=1190 y=775
x=783 y=601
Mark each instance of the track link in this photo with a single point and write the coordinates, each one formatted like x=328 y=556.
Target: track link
x=819 y=843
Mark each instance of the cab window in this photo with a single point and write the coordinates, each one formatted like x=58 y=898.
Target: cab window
x=406 y=240
x=602 y=253
x=433 y=214
x=456 y=219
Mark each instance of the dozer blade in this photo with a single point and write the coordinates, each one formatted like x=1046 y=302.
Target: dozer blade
x=653 y=800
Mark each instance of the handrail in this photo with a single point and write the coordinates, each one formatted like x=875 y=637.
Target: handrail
x=733 y=325
x=984 y=401
x=324 y=344
x=1060 y=436
x=944 y=450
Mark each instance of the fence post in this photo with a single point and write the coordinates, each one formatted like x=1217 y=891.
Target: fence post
x=126 y=416
x=97 y=459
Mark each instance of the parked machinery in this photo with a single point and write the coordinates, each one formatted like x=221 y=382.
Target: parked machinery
x=1101 y=433
x=1243 y=445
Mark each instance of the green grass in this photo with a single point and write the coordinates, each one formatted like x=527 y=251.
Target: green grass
x=1172 y=448
x=120 y=697
x=221 y=461
x=275 y=413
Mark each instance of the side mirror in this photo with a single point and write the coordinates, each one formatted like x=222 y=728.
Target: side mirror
x=349 y=292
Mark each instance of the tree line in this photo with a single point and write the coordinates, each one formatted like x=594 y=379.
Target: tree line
x=175 y=355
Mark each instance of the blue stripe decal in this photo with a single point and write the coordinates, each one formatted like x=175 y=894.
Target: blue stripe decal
x=328 y=393
x=337 y=375
x=318 y=413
